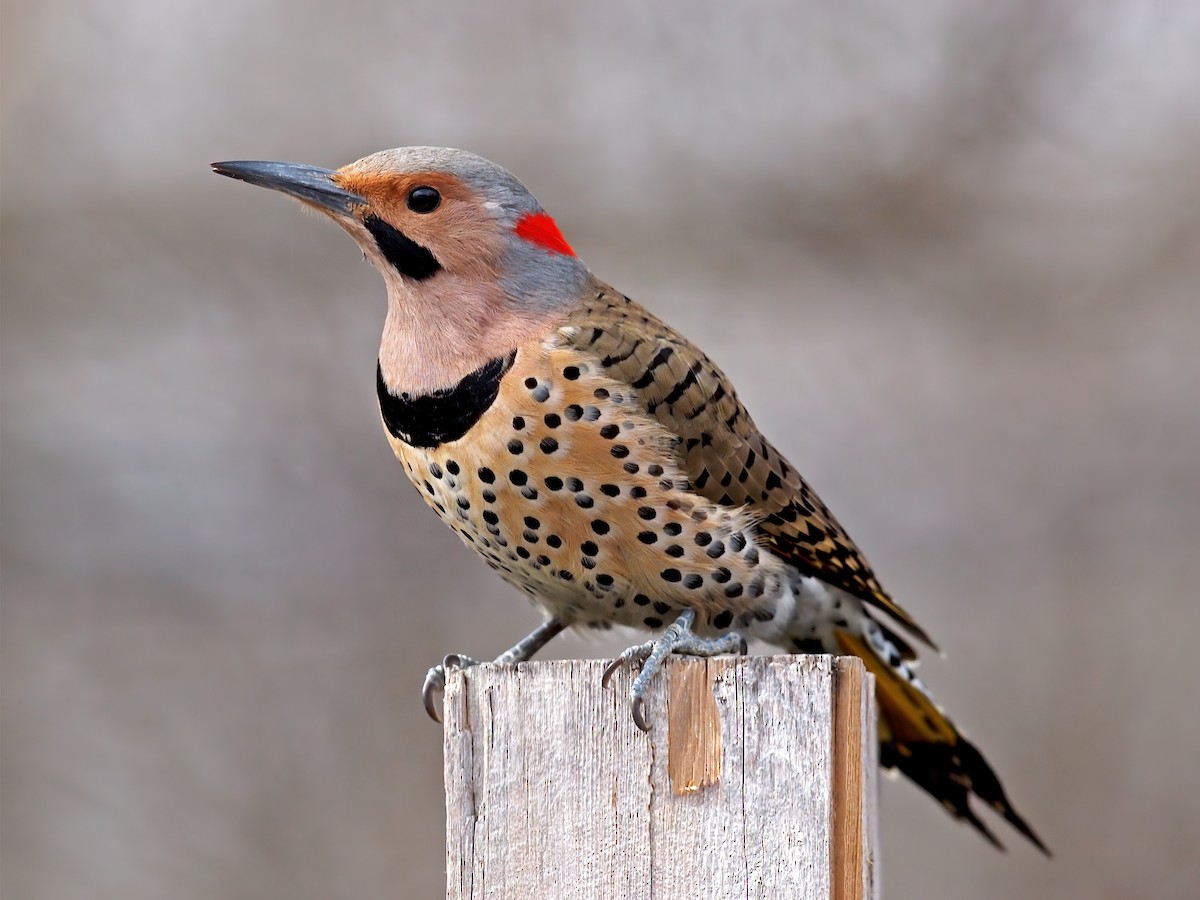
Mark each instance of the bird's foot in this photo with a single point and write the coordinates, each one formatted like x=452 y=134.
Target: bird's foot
x=435 y=678
x=435 y=681
x=676 y=639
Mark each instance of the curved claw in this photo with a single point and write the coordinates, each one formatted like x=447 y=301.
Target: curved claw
x=611 y=670
x=638 y=706
x=678 y=638
x=636 y=653
x=435 y=683
x=637 y=703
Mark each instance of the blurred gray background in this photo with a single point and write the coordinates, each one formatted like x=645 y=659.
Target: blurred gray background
x=949 y=251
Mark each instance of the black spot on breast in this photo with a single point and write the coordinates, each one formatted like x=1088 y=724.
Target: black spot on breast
x=430 y=420
x=407 y=256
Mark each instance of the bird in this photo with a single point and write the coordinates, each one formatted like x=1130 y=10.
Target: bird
x=603 y=464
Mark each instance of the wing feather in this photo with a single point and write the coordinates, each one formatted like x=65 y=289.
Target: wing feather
x=726 y=458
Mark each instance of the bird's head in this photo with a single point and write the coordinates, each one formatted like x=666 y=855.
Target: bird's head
x=426 y=216
x=474 y=266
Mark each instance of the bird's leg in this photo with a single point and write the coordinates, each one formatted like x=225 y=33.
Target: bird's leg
x=435 y=678
x=676 y=639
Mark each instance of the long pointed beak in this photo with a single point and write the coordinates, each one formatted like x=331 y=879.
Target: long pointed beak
x=311 y=184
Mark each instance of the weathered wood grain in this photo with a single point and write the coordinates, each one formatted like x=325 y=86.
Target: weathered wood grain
x=756 y=781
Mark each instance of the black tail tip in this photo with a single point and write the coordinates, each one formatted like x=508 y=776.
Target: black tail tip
x=951 y=773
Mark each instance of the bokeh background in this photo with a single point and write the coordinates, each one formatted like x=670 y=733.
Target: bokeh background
x=949 y=251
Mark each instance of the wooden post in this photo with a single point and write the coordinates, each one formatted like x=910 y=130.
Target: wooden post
x=757 y=780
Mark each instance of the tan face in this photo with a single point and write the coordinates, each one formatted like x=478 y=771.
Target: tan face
x=479 y=271
x=459 y=232
x=447 y=230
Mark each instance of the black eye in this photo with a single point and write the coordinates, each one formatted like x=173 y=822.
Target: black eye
x=423 y=199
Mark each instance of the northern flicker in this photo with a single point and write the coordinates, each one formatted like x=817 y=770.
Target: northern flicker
x=601 y=463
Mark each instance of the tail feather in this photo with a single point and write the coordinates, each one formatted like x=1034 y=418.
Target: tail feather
x=918 y=738
x=907 y=653
x=951 y=774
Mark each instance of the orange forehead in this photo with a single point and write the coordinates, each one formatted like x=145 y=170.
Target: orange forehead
x=388 y=191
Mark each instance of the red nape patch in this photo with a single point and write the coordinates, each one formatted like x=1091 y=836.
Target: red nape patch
x=539 y=228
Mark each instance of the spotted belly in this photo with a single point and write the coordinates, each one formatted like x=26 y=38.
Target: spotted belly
x=572 y=494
